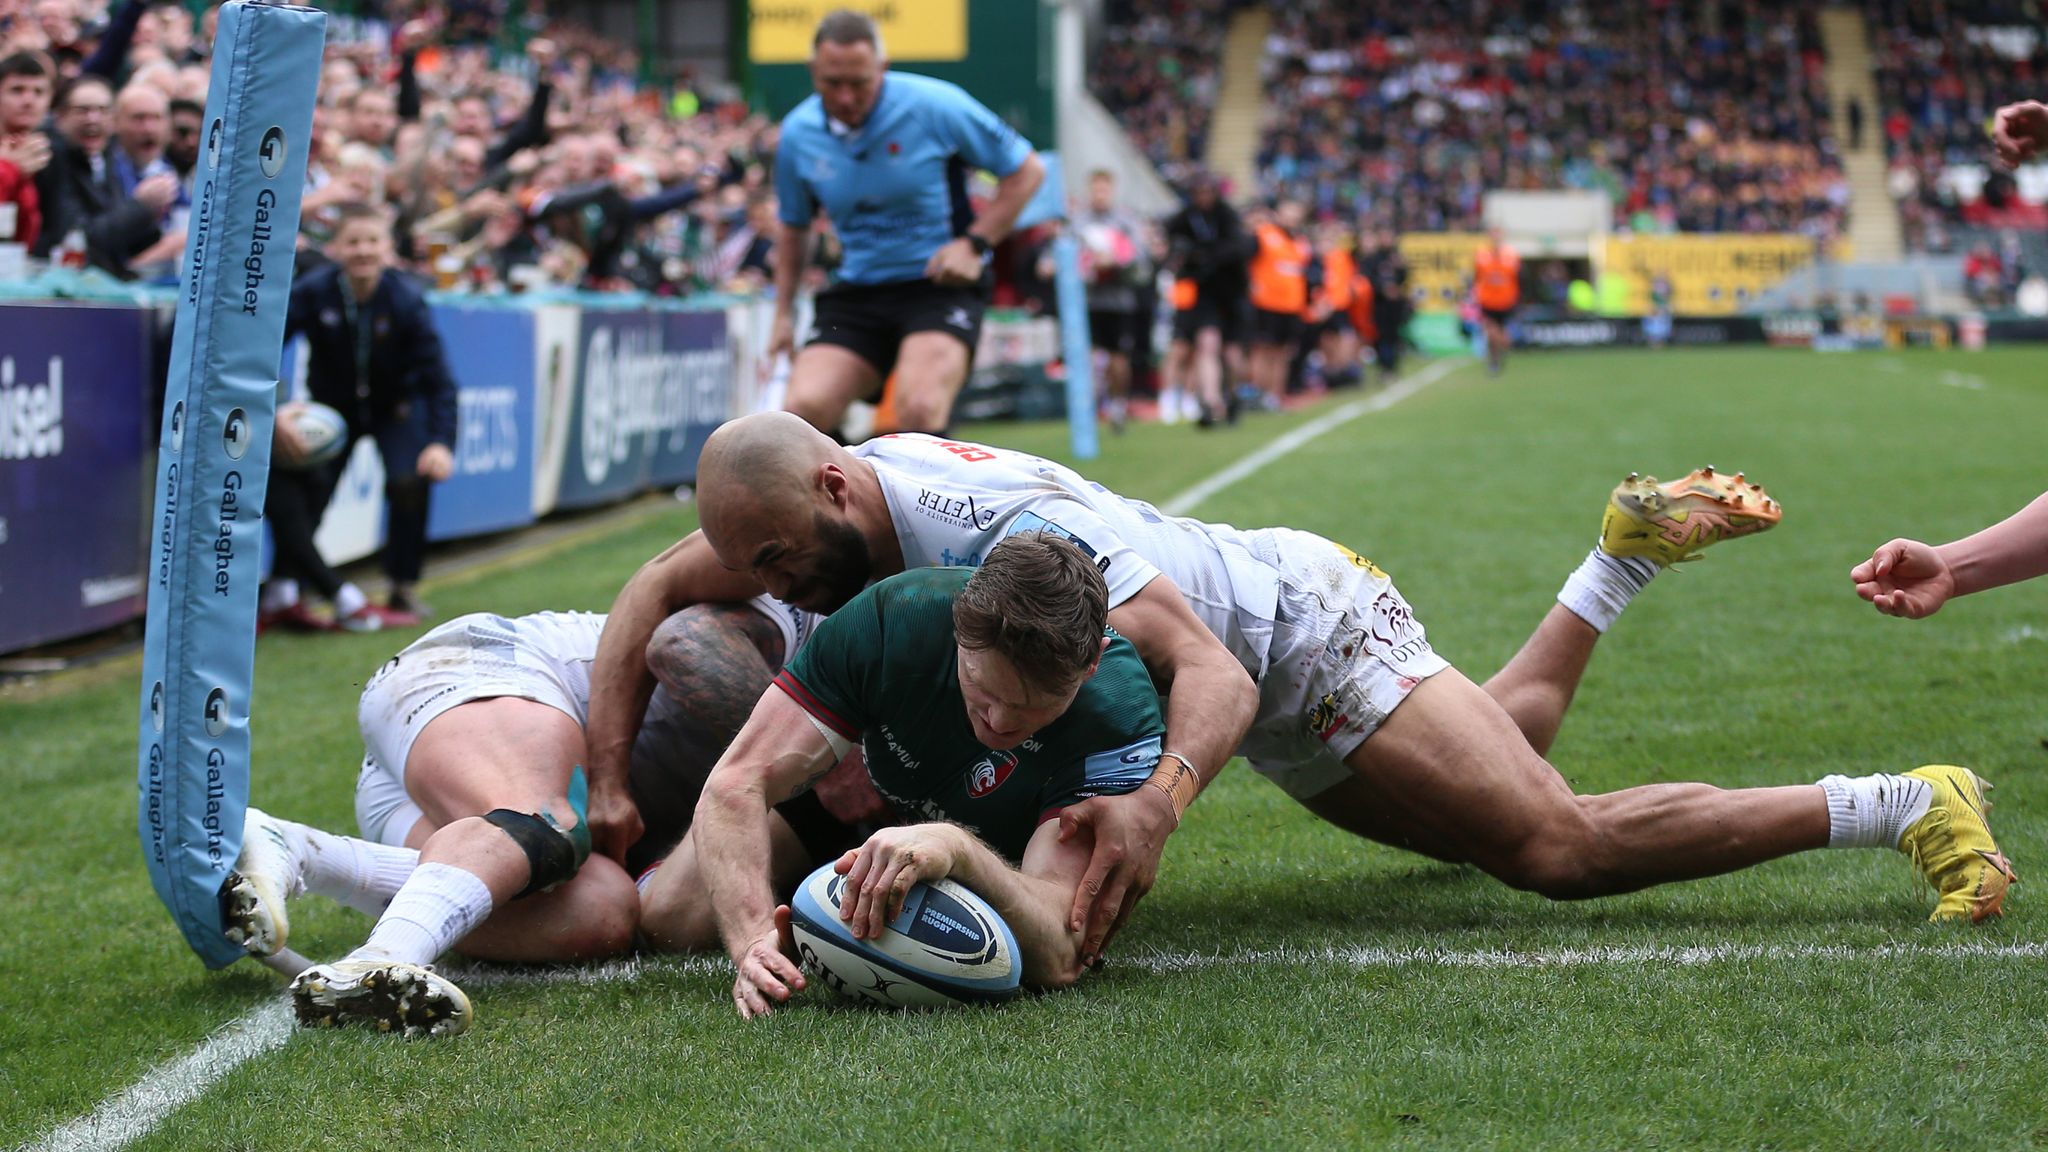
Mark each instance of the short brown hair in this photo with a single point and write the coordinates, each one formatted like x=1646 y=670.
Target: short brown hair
x=351 y=211
x=845 y=27
x=1041 y=603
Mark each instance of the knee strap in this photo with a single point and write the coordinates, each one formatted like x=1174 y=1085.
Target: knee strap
x=552 y=855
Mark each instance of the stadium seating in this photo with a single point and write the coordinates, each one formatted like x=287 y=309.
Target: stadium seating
x=1693 y=119
x=1942 y=69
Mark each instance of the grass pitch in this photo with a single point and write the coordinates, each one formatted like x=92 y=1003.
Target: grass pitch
x=1285 y=985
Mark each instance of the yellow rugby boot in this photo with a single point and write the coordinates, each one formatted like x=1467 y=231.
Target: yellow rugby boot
x=1672 y=522
x=1953 y=848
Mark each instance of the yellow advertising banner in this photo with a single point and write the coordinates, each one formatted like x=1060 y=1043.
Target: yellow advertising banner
x=780 y=31
x=1440 y=267
x=1709 y=275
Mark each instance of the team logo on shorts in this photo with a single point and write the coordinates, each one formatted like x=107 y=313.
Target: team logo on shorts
x=1394 y=627
x=1358 y=561
x=1326 y=717
x=989 y=773
x=957 y=318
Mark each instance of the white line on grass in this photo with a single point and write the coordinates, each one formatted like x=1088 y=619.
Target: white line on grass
x=123 y=1119
x=1617 y=957
x=128 y=1117
x=1189 y=500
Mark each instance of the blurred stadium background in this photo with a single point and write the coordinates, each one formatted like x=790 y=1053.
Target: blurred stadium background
x=1799 y=194
x=583 y=184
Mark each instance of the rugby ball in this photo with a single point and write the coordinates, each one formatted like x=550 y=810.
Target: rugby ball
x=946 y=947
x=321 y=429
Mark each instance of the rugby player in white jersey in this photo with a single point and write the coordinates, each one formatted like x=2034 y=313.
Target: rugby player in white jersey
x=1292 y=651
x=469 y=801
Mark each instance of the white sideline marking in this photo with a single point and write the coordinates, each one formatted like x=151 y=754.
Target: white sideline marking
x=1627 y=956
x=129 y=1116
x=134 y=1113
x=1191 y=499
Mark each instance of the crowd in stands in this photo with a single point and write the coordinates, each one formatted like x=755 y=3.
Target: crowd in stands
x=1691 y=117
x=549 y=164
x=1942 y=68
x=1157 y=71
x=1401 y=114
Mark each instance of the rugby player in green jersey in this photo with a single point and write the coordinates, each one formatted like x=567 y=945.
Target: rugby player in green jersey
x=987 y=701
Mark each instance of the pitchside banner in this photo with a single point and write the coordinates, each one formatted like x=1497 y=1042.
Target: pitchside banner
x=72 y=381
x=491 y=354
x=654 y=385
x=214 y=463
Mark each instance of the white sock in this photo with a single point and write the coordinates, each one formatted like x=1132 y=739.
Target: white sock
x=1603 y=585
x=279 y=595
x=359 y=873
x=1873 y=811
x=349 y=601
x=437 y=907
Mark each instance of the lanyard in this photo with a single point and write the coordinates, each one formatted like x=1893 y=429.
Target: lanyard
x=360 y=326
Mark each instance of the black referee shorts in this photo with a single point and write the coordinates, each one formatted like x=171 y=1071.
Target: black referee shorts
x=871 y=320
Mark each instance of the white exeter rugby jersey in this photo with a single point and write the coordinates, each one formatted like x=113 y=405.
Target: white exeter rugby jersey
x=952 y=502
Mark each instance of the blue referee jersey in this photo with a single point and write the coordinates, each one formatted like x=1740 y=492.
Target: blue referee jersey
x=896 y=187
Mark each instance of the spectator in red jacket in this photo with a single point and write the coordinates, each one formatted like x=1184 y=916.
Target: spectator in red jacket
x=24 y=150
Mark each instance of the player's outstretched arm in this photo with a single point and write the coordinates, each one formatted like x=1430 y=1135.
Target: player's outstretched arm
x=1911 y=579
x=776 y=756
x=1033 y=901
x=621 y=683
x=1210 y=702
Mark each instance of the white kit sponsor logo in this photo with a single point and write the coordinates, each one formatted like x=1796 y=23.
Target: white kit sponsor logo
x=633 y=388
x=31 y=414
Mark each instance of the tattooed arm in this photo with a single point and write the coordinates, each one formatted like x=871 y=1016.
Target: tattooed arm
x=777 y=755
x=714 y=661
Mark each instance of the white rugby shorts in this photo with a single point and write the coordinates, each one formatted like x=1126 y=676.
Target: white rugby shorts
x=544 y=657
x=1346 y=651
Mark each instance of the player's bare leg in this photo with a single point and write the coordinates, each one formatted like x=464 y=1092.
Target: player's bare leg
x=1454 y=779
x=1208 y=363
x=1117 y=377
x=1647 y=527
x=826 y=379
x=1450 y=769
x=1177 y=381
x=931 y=368
x=513 y=754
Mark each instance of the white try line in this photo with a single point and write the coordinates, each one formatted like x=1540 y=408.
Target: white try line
x=134 y=1113
x=1640 y=956
x=1191 y=499
x=129 y=1116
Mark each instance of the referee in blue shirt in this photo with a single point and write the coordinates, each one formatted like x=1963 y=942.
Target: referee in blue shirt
x=886 y=157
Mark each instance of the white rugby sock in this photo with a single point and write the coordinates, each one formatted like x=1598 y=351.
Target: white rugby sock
x=1603 y=585
x=279 y=595
x=349 y=601
x=437 y=907
x=359 y=873
x=1873 y=811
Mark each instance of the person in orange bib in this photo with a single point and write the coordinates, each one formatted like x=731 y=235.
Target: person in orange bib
x=1280 y=274
x=1331 y=309
x=1497 y=286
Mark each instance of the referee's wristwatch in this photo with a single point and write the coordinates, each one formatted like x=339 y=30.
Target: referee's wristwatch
x=980 y=245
